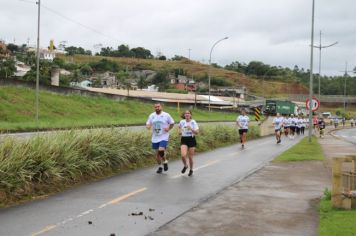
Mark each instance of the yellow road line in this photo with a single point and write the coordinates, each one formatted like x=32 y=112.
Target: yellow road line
x=209 y=163
x=114 y=201
x=46 y=229
x=121 y=198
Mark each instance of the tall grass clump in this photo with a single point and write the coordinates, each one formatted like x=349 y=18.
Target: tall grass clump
x=50 y=163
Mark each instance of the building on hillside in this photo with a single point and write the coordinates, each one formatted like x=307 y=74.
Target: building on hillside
x=21 y=69
x=104 y=80
x=82 y=84
x=151 y=88
x=147 y=74
x=183 y=83
x=45 y=54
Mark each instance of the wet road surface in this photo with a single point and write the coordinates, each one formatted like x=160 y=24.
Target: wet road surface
x=114 y=205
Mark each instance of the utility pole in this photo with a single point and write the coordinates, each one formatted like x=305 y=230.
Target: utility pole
x=345 y=75
x=38 y=63
x=320 y=47
x=311 y=75
x=189 y=53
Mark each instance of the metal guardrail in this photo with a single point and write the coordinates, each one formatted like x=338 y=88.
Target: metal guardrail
x=324 y=98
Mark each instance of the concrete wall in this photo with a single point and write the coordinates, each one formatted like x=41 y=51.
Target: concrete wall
x=266 y=127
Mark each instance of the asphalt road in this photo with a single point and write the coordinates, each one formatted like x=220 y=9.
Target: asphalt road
x=108 y=207
x=347 y=134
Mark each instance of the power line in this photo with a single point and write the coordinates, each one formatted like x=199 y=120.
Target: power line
x=71 y=20
x=27 y=1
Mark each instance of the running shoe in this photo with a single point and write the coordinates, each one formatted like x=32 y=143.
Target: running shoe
x=165 y=166
x=190 y=173
x=184 y=169
x=159 y=171
x=279 y=141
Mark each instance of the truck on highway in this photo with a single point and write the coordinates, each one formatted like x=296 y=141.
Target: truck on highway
x=272 y=107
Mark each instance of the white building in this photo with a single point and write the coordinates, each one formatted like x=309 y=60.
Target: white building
x=21 y=69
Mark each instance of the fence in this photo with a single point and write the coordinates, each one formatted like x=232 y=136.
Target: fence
x=344 y=182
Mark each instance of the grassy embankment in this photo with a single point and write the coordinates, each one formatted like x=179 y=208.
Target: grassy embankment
x=17 y=111
x=332 y=221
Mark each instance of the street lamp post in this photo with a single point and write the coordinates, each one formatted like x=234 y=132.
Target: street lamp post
x=38 y=62
x=320 y=47
x=345 y=75
x=311 y=75
x=211 y=50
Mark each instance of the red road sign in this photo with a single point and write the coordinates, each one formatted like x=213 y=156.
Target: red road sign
x=315 y=104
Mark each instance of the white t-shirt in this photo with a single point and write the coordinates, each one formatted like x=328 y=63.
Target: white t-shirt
x=287 y=122
x=185 y=131
x=242 y=121
x=294 y=122
x=278 y=122
x=159 y=123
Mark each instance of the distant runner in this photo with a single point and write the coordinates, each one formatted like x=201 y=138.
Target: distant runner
x=321 y=125
x=187 y=129
x=161 y=123
x=242 y=123
x=278 y=124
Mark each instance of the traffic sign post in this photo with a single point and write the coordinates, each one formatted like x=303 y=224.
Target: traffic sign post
x=315 y=104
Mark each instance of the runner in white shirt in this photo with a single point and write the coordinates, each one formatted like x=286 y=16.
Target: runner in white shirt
x=286 y=124
x=278 y=124
x=242 y=123
x=187 y=129
x=161 y=123
x=293 y=126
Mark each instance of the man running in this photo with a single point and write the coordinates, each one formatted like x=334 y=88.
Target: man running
x=161 y=123
x=242 y=123
x=321 y=125
x=278 y=123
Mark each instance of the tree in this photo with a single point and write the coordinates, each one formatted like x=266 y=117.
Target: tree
x=141 y=52
x=124 y=79
x=12 y=47
x=141 y=82
x=7 y=68
x=72 y=50
x=178 y=58
x=162 y=58
x=44 y=75
x=124 y=51
x=86 y=70
x=108 y=51
x=160 y=79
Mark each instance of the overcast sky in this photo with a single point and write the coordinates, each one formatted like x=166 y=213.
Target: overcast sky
x=276 y=32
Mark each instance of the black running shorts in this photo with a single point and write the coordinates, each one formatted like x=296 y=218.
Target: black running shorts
x=241 y=131
x=188 y=141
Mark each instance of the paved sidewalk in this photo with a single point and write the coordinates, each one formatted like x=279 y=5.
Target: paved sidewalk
x=279 y=199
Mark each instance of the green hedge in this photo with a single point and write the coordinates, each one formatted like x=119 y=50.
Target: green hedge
x=50 y=163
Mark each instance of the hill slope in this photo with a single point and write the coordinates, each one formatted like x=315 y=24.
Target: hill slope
x=196 y=69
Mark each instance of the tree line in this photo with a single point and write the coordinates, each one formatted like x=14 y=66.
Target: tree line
x=329 y=85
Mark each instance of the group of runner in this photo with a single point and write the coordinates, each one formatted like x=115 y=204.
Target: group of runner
x=161 y=123
x=290 y=124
